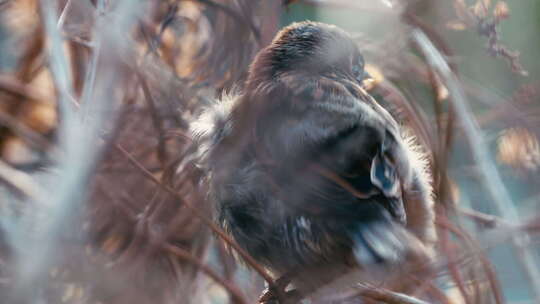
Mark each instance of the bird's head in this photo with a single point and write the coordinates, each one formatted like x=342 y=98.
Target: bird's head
x=314 y=48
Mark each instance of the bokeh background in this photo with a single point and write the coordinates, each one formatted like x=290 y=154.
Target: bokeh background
x=100 y=201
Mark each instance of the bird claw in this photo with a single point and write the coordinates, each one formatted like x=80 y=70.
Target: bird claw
x=273 y=295
x=288 y=297
x=268 y=297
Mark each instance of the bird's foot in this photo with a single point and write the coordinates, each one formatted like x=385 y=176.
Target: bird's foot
x=277 y=294
x=287 y=297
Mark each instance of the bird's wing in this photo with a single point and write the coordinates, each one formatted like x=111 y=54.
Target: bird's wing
x=345 y=141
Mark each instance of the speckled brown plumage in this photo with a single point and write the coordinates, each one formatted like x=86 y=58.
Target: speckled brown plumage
x=307 y=171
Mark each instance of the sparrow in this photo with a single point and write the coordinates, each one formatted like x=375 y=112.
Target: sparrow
x=308 y=173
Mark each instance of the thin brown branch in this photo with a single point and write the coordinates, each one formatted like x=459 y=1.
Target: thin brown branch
x=486 y=220
x=235 y=293
x=453 y=268
x=486 y=264
x=156 y=120
x=486 y=26
x=236 y=16
x=247 y=258
x=371 y=6
x=387 y=296
x=16 y=88
x=428 y=285
x=489 y=174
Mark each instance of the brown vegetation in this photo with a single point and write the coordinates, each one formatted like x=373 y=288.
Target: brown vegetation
x=100 y=202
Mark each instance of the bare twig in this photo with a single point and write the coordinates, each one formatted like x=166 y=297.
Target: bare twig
x=486 y=220
x=453 y=266
x=238 y=17
x=488 y=172
x=233 y=290
x=157 y=122
x=249 y=260
x=387 y=296
x=486 y=26
x=487 y=266
x=372 y=6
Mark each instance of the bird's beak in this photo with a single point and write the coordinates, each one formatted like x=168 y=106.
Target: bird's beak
x=365 y=76
x=366 y=80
